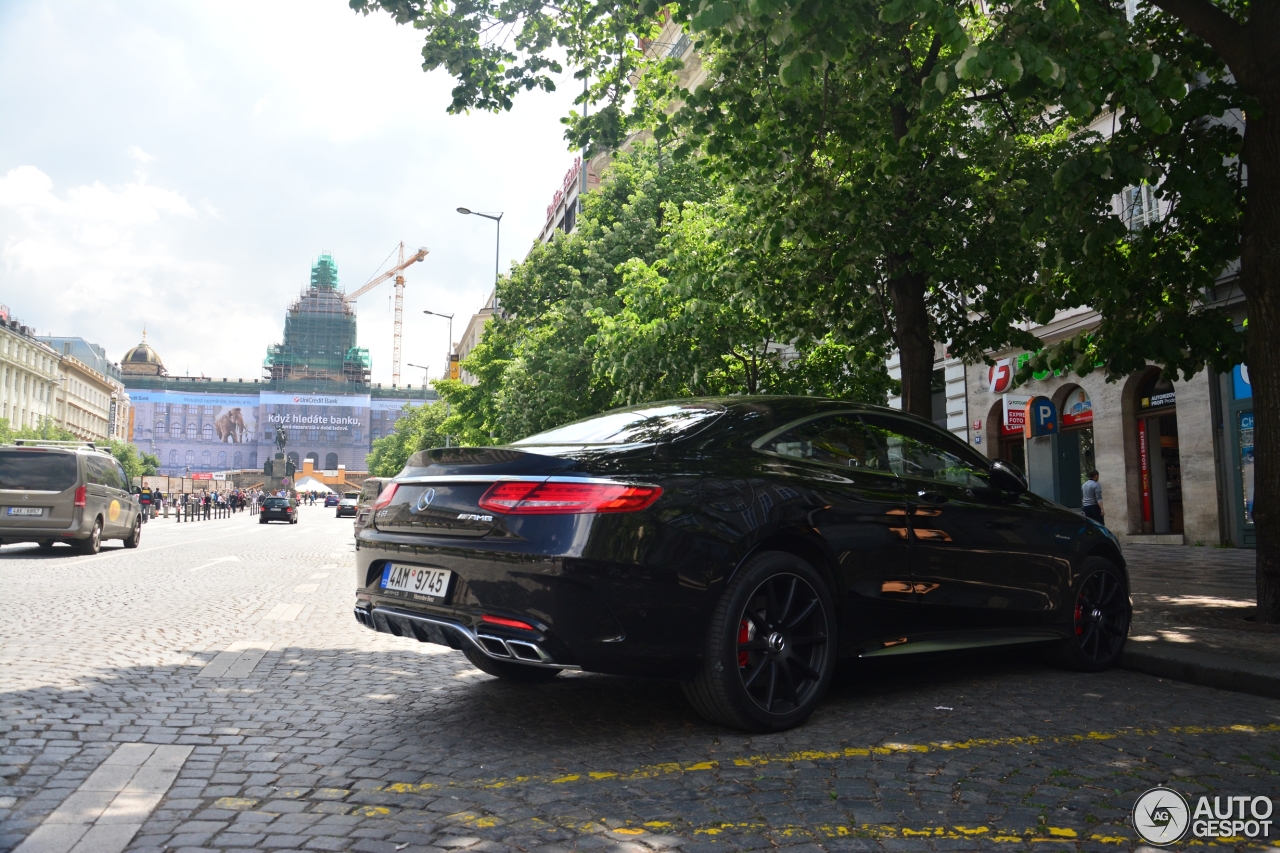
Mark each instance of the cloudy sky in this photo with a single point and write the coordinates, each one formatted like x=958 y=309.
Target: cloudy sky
x=179 y=164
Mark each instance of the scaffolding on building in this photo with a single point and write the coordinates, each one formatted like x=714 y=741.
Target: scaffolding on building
x=319 y=334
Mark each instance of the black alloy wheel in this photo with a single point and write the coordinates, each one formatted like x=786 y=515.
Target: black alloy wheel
x=132 y=540
x=92 y=544
x=1099 y=619
x=771 y=650
x=519 y=673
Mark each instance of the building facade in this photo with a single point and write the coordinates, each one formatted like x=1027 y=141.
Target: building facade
x=84 y=400
x=315 y=388
x=28 y=375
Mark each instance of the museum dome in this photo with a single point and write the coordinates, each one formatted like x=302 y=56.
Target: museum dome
x=142 y=359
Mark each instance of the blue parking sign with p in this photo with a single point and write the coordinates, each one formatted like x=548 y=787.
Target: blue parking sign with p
x=1041 y=417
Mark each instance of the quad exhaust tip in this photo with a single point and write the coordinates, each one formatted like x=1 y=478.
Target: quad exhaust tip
x=427 y=629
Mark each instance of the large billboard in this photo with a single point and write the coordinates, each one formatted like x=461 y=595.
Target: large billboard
x=196 y=432
x=332 y=429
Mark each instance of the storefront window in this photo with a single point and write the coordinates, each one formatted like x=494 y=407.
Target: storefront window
x=1158 y=460
x=1075 y=447
x=1244 y=426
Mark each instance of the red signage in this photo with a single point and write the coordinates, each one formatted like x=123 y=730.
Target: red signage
x=1077 y=409
x=1144 y=466
x=1000 y=376
x=202 y=475
x=569 y=178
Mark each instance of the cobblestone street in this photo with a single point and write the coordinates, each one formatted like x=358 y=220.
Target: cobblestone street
x=211 y=691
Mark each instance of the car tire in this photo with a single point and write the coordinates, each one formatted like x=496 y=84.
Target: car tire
x=93 y=543
x=771 y=647
x=517 y=672
x=132 y=540
x=262 y=521
x=1101 y=614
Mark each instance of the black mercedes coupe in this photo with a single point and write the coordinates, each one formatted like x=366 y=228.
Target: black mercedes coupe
x=739 y=545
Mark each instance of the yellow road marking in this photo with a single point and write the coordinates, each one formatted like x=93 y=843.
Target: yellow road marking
x=651 y=771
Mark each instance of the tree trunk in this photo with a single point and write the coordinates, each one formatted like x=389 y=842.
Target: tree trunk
x=911 y=334
x=1260 y=281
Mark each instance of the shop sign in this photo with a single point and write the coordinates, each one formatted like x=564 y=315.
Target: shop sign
x=1241 y=387
x=1000 y=376
x=219 y=475
x=1077 y=410
x=202 y=475
x=1155 y=401
x=1041 y=418
x=1015 y=410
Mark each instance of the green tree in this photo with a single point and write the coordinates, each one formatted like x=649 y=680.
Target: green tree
x=135 y=464
x=47 y=431
x=692 y=323
x=418 y=429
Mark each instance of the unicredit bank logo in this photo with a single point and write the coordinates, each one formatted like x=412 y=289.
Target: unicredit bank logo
x=1163 y=816
x=329 y=400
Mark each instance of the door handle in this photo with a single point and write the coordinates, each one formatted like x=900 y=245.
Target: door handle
x=931 y=497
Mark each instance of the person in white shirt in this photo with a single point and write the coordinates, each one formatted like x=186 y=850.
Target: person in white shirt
x=1092 y=503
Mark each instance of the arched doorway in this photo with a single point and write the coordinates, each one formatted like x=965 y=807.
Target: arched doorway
x=331 y=462
x=313 y=458
x=1005 y=442
x=1075 y=443
x=1159 y=468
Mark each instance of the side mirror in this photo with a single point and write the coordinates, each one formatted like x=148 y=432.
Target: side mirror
x=1006 y=477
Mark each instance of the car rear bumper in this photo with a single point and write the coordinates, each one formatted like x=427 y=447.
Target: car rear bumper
x=629 y=615
x=456 y=634
x=80 y=528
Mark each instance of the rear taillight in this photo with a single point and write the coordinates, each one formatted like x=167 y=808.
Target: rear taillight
x=384 y=499
x=82 y=497
x=567 y=498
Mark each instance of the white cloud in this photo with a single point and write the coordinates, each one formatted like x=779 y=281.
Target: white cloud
x=183 y=163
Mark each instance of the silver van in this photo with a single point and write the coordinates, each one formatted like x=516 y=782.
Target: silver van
x=65 y=491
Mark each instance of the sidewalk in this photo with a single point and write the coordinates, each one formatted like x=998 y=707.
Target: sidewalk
x=1189 y=619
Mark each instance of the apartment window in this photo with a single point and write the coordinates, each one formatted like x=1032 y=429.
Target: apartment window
x=682 y=44
x=1140 y=207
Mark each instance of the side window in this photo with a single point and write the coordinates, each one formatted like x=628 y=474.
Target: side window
x=916 y=451
x=839 y=440
x=93 y=471
x=122 y=481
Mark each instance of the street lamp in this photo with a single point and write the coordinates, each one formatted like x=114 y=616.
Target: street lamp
x=497 y=247
x=448 y=360
x=424 y=368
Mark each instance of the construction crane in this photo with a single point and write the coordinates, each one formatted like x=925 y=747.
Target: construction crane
x=398 y=272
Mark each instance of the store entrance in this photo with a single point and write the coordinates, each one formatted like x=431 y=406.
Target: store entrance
x=1075 y=446
x=1158 y=460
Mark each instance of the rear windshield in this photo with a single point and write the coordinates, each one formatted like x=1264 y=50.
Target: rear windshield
x=37 y=471
x=633 y=426
x=277 y=502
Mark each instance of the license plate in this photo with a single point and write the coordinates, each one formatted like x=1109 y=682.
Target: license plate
x=418 y=580
x=26 y=510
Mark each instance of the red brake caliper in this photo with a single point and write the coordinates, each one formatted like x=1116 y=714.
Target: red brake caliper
x=1079 y=627
x=744 y=635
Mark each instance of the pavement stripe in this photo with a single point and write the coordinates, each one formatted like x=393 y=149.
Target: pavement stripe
x=283 y=612
x=306 y=587
x=651 y=771
x=216 y=562
x=107 y=810
x=237 y=660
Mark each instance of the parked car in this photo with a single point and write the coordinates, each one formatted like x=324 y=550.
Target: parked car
x=65 y=491
x=369 y=491
x=331 y=499
x=279 y=509
x=738 y=545
x=347 y=506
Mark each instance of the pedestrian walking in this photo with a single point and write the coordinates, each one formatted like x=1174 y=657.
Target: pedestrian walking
x=1092 y=502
